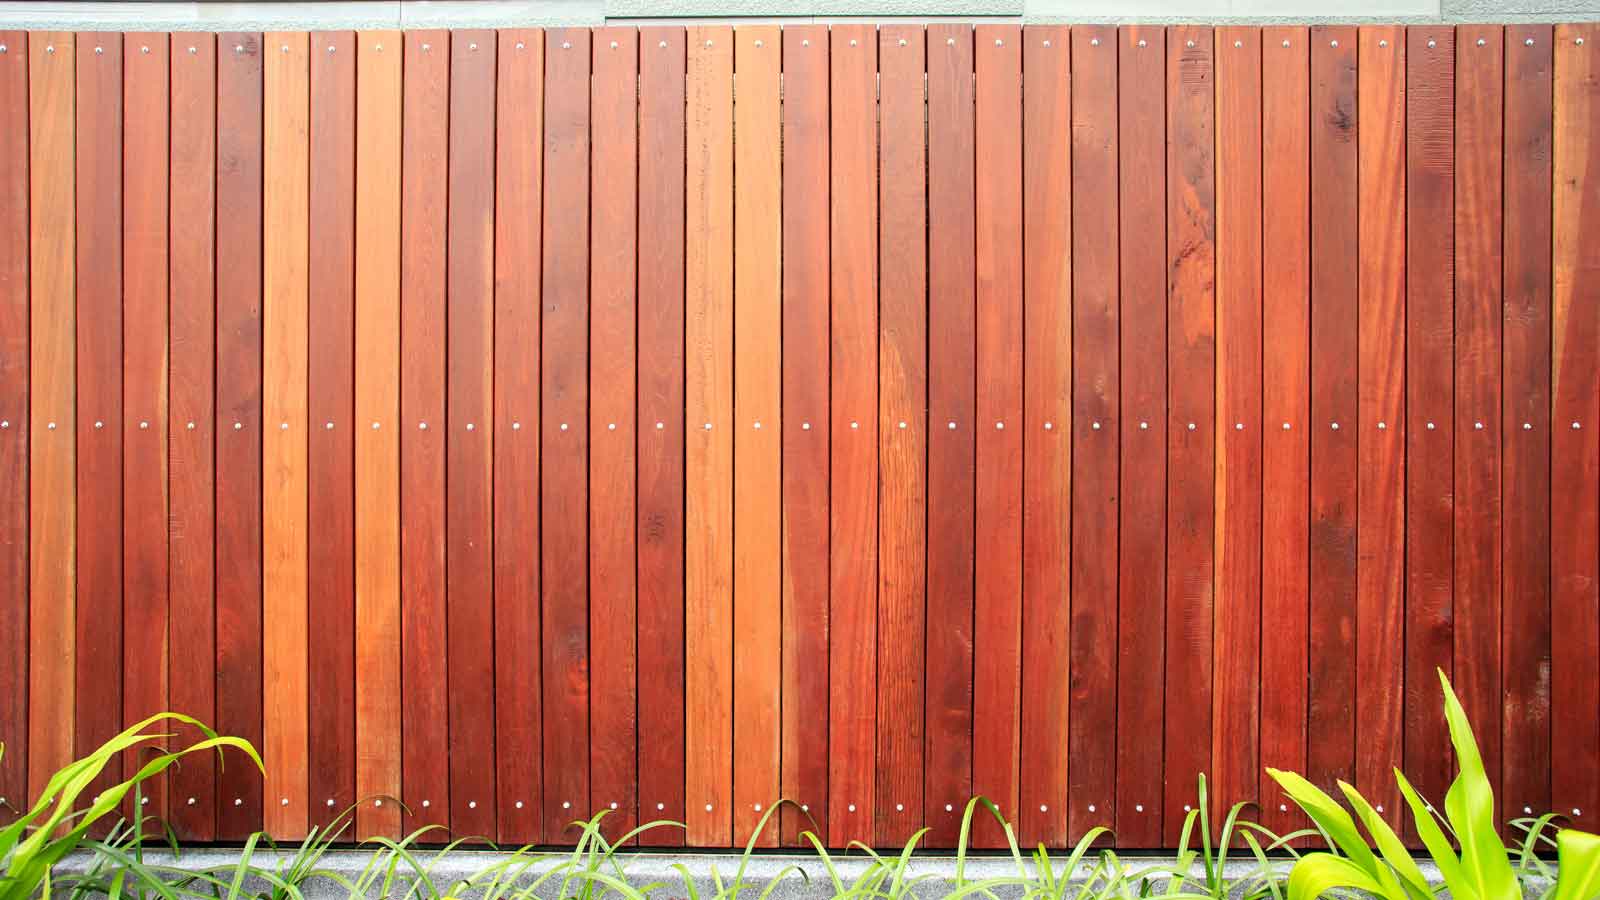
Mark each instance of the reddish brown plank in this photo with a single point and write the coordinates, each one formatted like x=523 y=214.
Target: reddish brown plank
x=469 y=453
x=997 y=638
x=612 y=434
x=331 y=388
x=1334 y=404
x=1524 y=320
x=1048 y=154
x=1191 y=366
x=425 y=774
x=660 y=449
x=519 y=187
x=238 y=417
x=902 y=432
x=1574 y=452
x=952 y=394
x=1142 y=574
x=1095 y=397
x=805 y=429
x=13 y=420
x=564 y=433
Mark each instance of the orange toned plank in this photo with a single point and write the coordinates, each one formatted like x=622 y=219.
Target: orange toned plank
x=145 y=393
x=708 y=402
x=1429 y=506
x=1479 y=117
x=1285 y=411
x=284 y=535
x=519 y=126
x=97 y=695
x=997 y=641
x=564 y=432
x=757 y=432
x=377 y=432
x=661 y=440
x=1524 y=550
x=805 y=429
x=238 y=411
x=1236 y=649
x=1095 y=394
x=1141 y=577
x=424 y=120
x=853 y=363
x=1334 y=404
x=613 y=761
x=1047 y=160
x=469 y=399
x=1574 y=452
x=1191 y=367
x=331 y=509
x=1380 y=564
x=13 y=418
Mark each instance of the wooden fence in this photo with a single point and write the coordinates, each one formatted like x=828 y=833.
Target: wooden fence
x=513 y=424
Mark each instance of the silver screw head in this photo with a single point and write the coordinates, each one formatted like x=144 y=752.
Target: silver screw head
x=760 y=43
x=1091 y=807
x=193 y=50
x=471 y=427
x=332 y=49
x=566 y=45
x=98 y=51
x=238 y=48
x=1189 y=44
x=1191 y=426
x=1482 y=42
x=425 y=49
x=474 y=48
x=661 y=806
x=329 y=803
x=519 y=804
x=1333 y=43
x=1138 y=807
x=998 y=43
x=144 y=49
x=852 y=807
x=1335 y=426
x=284 y=49
x=1383 y=43
x=1432 y=43
x=1094 y=42
x=663 y=44
x=238 y=801
x=50 y=48
x=472 y=804
x=902 y=42
x=1143 y=42
x=1238 y=44
x=950 y=42
x=1528 y=42
x=4 y=49
x=708 y=807
x=1579 y=42
x=613 y=45
x=1527 y=426
x=1286 y=43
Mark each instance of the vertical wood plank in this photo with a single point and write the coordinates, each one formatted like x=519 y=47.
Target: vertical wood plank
x=660 y=528
x=612 y=436
x=902 y=433
x=564 y=431
x=238 y=411
x=1142 y=528
x=952 y=396
x=708 y=404
x=758 y=434
x=469 y=453
x=1048 y=155
x=284 y=442
x=14 y=384
x=997 y=634
x=1574 y=452
x=519 y=189
x=806 y=200
x=1381 y=461
x=1334 y=403
x=1191 y=368
x=377 y=429
x=330 y=479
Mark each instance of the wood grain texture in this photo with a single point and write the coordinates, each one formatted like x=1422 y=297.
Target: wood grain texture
x=660 y=500
x=1191 y=372
x=424 y=122
x=238 y=412
x=377 y=429
x=1048 y=156
x=902 y=434
x=14 y=384
x=997 y=638
x=564 y=431
x=806 y=200
x=757 y=432
x=1096 y=412
x=1142 y=474
x=519 y=188
x=613 y=638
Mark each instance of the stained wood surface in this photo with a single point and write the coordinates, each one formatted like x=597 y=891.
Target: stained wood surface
x=14 y=384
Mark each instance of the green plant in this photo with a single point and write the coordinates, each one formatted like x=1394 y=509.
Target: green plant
x=1263 y=882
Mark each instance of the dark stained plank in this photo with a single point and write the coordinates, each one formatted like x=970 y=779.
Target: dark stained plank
x=902 y=431
x=1191 y=366
x=238 y=423
x=952 y=395
x=1096 y=414
x=519 y=188
x=997 y=638
x=1048 y=155
x=1142 y=527
x=425 y=111
x=805 y=430
x=469 y=447
x=13 y=419
x=661 y=440
x=563 y=428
